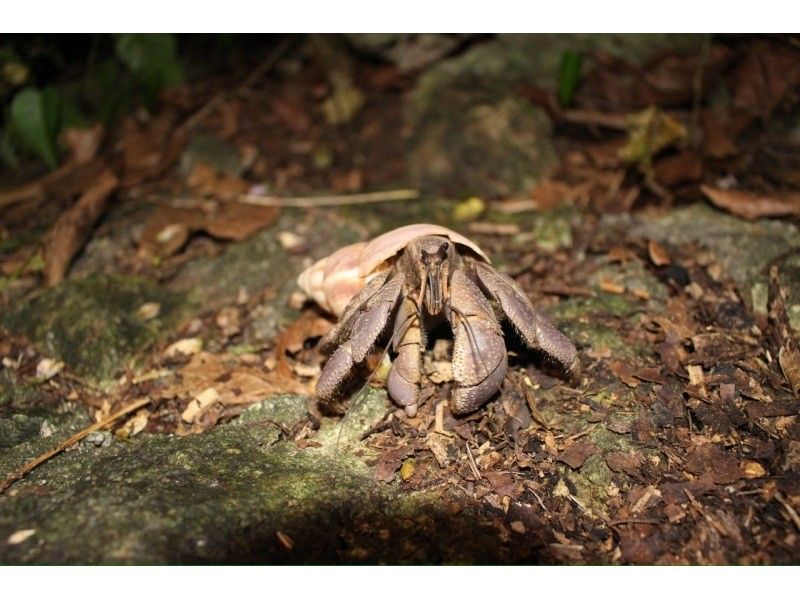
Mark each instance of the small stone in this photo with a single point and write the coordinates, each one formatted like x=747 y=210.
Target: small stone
x=46 y=431
x=98 y=439
x=518 y=526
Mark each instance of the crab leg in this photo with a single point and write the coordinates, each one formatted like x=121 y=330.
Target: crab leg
x=479 y=353
x=369 y=322
x=343 y=327
x=403 y=383
x=534 y=328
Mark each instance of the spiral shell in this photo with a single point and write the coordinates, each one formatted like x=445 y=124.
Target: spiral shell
x=334 y=280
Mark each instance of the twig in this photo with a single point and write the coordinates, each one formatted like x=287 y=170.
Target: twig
x=617 y=522
x=331 y=200
x=789 y=509
x=472 y=465
x=31 y=465
x=250 y=80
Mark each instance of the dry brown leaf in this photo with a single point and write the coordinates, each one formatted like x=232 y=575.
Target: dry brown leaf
x=751 y=206
x=720 y=466
x=236 y=384
x=291 y=340
x=658 y=255
x=207 y=181
x=72 y=228
x=765 y=77
x=200 y=404
x=625 y=372
x=611 y=286
x=83 y=143
x=168 y=227
x=790 y=366
x=576 y=455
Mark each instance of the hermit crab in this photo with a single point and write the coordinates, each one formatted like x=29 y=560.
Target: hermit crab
x=391 y=291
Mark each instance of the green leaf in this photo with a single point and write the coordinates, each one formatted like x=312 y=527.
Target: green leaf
x=568 y=76
x=152 y=58
x=8 y=153
x=34 y=117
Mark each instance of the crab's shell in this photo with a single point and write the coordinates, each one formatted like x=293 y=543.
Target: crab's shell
x=334 y=280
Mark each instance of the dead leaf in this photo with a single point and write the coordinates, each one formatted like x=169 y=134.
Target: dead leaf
x=200 y=404
x=625 y=372
x=753 y=469
x=720 y=466
x=206 y=181
x=291 y=340
x=629 y=462
x=185 y=346
x=765 y=77
x=790 y=366
x=576 y=455
x=658 y=255
x=47 y=368
x=611 y=286
x=134 y=425
x=83 y=143
x=650 y=132
x=168 y=227
x=73 y=226
x=751 y=206
x=389 y=462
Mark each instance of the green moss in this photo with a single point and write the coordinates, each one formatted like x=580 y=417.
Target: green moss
x=92 y=324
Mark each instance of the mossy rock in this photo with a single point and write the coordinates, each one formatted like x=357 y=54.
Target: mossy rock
x=92 y=323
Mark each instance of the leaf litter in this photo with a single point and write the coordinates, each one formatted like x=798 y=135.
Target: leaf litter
x=684 y=450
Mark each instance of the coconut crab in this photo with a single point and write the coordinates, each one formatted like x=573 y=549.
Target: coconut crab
x=403 y=283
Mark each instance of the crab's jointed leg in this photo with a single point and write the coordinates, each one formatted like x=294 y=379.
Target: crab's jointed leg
x=479 y=352
x=534 y=328
x=404 y=377
x=366 y=325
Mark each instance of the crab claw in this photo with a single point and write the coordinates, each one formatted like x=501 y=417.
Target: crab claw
x=479 y=353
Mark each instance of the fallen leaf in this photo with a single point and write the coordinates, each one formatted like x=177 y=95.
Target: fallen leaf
x=790 y=366
x=576 y=455
x=134 y=425
x=753 y=469
x=611 y=286
x=148 y=311
x=47 y=368
x=765 y=77
x=185 y=346
x=629 y=462
x=658 y=255
x=720 y=466
x=625 y=372
x=207 y=181
x=200 y=405
x=67 y=236
x=649 y=132
x=20 y=536
x=168 y=227
x=83 y=143
x=389 y=462
x=751 y=206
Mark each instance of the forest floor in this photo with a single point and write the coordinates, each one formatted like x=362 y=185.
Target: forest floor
x=154 y=339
